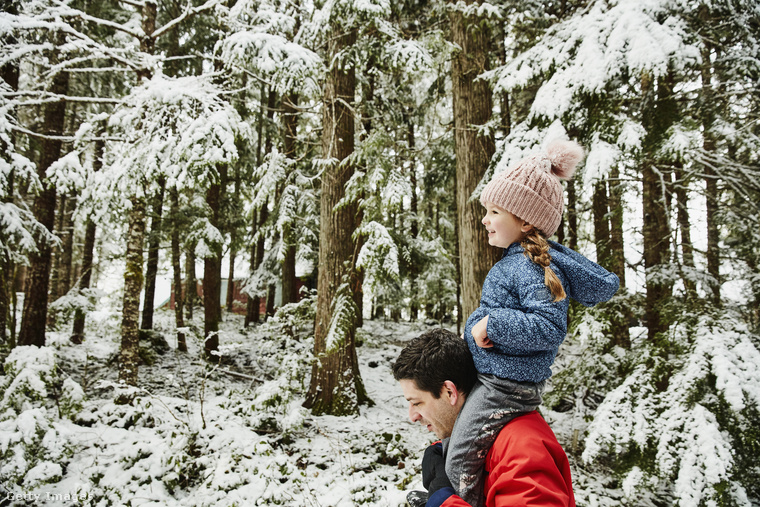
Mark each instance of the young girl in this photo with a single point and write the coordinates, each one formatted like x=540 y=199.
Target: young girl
x=515 y=333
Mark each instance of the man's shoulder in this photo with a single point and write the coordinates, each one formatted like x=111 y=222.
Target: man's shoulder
x=528 y=432
x=532 y=421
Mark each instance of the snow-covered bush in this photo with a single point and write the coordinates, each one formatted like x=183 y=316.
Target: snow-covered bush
x=34 y=444
x=687 y=422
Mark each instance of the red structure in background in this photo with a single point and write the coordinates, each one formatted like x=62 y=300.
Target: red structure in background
x=239 y=298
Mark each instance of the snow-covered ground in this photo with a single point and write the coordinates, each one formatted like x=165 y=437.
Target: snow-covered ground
x=234 y=434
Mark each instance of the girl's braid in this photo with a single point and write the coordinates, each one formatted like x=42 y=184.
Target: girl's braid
x=537 y=249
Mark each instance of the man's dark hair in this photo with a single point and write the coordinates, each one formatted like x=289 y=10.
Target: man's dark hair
x=434 y=357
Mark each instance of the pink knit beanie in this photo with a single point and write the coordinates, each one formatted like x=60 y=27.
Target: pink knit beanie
x=531 y=190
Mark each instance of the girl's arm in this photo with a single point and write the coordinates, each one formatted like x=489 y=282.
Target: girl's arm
x=537 y=324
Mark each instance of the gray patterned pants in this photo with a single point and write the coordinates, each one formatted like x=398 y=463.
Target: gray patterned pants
x=492 y=403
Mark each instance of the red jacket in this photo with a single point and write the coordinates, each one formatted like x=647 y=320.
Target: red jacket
x=526 y=466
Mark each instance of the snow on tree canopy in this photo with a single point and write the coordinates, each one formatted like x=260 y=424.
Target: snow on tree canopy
x=682 y=427
x=180 y=129
x=585 y=52
x=260 y=43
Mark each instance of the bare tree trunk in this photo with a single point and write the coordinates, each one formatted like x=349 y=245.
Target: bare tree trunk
x=177 y=269
x=129 y=357
x=472 y=109
x=617 y=264
x=88 y=250
x=336 y=386
x=38 y=277
x=212 y=271
x=601 y=224
x=77 y=334
x=414 y=228
x=154 y=243
x=230 y=296
x=621 y=317
x=191 y=285
x=67 y=247
x=254 y=303
x=712 y=190
x=657 y=116
x=684 y=226
x=290 y=125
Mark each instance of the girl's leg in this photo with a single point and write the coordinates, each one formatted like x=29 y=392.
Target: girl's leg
x=492 y=403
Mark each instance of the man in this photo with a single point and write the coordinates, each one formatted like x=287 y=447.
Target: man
x=526 y=466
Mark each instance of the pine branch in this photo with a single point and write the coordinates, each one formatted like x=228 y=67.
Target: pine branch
x=185 y=15
x=48 y=98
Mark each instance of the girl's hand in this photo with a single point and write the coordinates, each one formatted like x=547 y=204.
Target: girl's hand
x=480 y=333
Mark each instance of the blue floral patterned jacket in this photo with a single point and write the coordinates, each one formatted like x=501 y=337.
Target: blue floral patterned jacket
x=525 y=326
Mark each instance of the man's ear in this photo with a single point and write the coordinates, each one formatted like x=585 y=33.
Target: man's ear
x=451 y=393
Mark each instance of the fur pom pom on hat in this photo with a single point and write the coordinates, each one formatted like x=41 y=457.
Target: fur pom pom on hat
x=531 y=189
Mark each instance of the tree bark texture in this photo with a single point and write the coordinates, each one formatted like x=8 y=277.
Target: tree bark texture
x=38 y=276
x=621 y=315
x=336 y=386
x=657 y=115
x=154 y=244
x=684 y=227
x=712 y=189
x=290 y=126
x=600 y=206
x=191 y=286
x=129 y=357
x=177 y=270
x=616 y=226
x=212 y=271
x=472 y=103
x=88 y=250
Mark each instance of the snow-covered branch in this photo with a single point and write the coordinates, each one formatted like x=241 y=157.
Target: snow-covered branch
x=210 y=4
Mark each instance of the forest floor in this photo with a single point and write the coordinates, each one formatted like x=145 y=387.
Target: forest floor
x=236 y=433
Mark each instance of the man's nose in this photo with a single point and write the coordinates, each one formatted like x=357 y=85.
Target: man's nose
x=414 y=416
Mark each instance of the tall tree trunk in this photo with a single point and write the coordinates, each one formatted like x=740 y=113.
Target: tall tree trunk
x=66 y=253
x=34 y=315
x=191 y=285
x=601 y=224
x=658 y=116
x=617 y=249
x=77 y=333
x=56 y=252
x=472 y=109
x=336 y=386
x=230 y=296
x=620 y=319
x=712 y=190
x=154 y=243
x=572 y=216
x=212 y=270
x=177 y=270
x=290 y=126
x=129 y=357
x=253 y=304
x=684 y=226
x=88 y=250
x=414 y=228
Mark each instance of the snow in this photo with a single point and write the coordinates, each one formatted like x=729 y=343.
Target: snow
x=236 y=440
